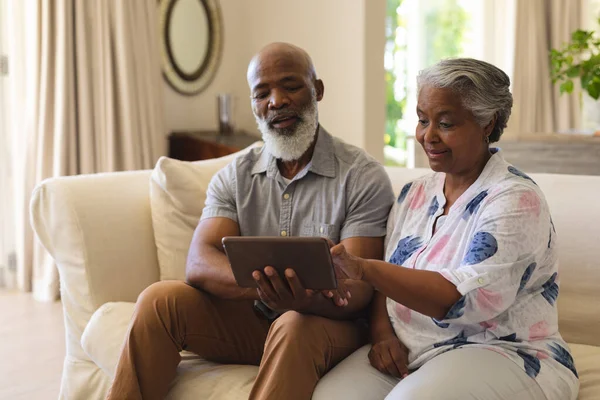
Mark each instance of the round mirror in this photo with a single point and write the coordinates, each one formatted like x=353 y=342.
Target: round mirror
x=191 y=42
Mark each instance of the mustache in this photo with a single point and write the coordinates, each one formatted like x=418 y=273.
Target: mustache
x=282 y=114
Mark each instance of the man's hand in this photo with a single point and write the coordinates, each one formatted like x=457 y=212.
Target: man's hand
x=280 y=295
x=390 y=356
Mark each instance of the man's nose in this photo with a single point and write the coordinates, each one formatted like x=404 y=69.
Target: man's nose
x=278 y=100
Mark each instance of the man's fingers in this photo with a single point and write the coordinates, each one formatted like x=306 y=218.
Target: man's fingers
x=298 y=290
x=265 y=299
x=265 y=286
x=282 y=290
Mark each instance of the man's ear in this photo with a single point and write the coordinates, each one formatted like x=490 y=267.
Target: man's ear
x=320 y=88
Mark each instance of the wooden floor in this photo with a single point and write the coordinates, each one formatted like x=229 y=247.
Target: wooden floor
x=32 y=347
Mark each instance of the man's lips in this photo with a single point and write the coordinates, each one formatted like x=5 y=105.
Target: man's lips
x=283 y=121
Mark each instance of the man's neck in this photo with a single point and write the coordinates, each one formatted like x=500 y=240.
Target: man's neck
x=289 y=169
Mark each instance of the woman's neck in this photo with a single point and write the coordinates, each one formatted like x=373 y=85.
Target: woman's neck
x=458 y=183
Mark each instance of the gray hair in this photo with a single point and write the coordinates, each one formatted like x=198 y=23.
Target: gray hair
x=482 y=87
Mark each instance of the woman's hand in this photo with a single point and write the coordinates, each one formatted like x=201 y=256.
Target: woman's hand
x=346 y=265
x=390 y=356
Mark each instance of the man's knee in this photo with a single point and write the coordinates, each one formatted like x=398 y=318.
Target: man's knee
x=298 y=328
x=168 y=295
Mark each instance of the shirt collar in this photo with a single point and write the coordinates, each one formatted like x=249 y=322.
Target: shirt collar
x=322 y=162
x=495 y=160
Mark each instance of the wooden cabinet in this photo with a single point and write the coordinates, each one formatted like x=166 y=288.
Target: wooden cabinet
x=202 y=145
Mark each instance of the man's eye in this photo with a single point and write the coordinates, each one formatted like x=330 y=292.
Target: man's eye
x=259 y=96
x=445 y=125
x=423 y=122
x=293 y=88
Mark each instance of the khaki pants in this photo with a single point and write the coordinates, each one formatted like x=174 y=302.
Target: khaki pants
x=170 y=316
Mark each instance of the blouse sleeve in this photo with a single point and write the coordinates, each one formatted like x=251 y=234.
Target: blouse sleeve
x=509 y=239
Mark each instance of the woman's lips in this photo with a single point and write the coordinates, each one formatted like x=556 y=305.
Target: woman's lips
x=435 y=154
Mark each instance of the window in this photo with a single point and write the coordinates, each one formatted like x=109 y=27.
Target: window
x=420 y=33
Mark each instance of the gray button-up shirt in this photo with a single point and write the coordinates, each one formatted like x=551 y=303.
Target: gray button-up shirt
x=342 y=193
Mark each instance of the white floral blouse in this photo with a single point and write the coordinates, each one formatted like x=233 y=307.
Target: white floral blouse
x=498 y=246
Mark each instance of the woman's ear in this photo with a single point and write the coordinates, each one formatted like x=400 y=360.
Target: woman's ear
x=490 y=127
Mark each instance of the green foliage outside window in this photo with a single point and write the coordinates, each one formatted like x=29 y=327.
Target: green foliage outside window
x=445 y=26
x=395 y=107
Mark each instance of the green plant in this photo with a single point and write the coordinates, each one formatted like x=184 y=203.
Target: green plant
x=579 y=58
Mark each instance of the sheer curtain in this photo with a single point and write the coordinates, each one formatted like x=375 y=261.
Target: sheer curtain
x=87 y=99
x=538 y=106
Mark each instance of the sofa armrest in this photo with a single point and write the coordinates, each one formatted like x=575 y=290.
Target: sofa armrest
x=98 y=230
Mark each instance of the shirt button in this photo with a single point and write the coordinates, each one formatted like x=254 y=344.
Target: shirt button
x=286 y=196
x=481 y=281
x=283 y=233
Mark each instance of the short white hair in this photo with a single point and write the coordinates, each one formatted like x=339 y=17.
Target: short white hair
x=482 y=87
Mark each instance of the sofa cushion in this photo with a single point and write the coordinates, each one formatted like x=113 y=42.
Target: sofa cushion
x=177 y=195
x=587 y=361
x=195 y=379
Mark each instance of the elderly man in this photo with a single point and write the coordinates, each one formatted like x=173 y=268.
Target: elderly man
x=303 y=182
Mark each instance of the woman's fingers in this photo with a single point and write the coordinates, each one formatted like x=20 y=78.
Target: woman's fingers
x=400 y=359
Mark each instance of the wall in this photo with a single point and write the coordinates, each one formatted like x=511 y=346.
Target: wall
x=200 y=111
x=346 y=40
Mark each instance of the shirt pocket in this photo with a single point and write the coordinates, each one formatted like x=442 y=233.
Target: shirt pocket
x=329 y=231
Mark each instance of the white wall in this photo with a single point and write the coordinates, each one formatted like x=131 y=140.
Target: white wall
x=345 y=39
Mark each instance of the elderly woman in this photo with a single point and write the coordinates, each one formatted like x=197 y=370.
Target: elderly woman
x=466 y=304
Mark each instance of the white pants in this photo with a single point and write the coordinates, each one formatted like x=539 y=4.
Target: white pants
x=461 y=374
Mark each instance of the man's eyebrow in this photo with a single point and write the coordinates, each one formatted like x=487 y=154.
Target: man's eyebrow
x=289 y=78
x=259 y=86
x=285 y=79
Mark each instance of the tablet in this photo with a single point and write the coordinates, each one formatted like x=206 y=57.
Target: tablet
x=308 y=256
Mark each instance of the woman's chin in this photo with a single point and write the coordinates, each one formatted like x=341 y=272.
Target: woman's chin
x=437 y=166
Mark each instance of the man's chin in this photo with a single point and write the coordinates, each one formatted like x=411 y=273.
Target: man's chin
x=287 y=131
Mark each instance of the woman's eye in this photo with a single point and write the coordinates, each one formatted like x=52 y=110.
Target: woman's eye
x=445 y=125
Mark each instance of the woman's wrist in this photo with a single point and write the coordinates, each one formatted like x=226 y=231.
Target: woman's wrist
x=365 y=267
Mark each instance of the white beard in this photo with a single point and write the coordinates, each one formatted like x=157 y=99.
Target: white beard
x=291 y=145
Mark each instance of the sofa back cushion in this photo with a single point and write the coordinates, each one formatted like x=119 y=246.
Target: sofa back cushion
x=573 y=202
x=177 y=195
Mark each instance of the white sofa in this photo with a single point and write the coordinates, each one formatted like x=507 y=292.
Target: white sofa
x=98 y=229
